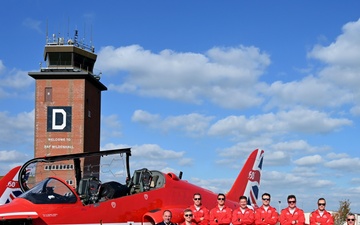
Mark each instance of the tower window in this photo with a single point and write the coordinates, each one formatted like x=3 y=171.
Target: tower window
x=48 y=94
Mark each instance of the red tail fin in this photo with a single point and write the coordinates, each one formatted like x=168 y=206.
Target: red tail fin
x=248 y=181
x=9 y=186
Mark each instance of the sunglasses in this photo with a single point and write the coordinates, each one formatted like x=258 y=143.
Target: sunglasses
x=197 y=199
x=322 y=204
x=291 y=202
x=188 y=215
x=350 y=219
x=266 y=199
x=221 y=199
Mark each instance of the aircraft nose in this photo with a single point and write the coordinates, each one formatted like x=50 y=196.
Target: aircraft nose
x=18 y=209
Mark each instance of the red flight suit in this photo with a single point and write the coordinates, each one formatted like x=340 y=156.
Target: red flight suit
x=197 y=214
x=286 y=218
x=220 y=216
x=266 y=217
x=184 y=223
x=317 y=219
x=240 y=218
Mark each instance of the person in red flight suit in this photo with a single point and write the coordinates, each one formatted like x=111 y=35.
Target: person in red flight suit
x=266 y=214
x=321 y=216
x=200 y=212
x=243 y=215
x=188 y=216
x=220 y=215
x=292 y=214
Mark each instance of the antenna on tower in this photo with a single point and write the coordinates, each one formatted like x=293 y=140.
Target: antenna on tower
x=68 y=34
x=76 y=38
x=83 y=39
x=47 y=32
x=91 y=41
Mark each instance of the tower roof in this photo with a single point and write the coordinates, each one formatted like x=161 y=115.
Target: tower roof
x=69 y=60
x=69 y=55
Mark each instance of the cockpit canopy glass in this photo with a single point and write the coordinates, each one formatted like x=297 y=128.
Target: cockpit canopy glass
x=50 y=191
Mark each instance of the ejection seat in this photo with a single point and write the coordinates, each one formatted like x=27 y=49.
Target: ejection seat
x=140 y=181
x=88 y=190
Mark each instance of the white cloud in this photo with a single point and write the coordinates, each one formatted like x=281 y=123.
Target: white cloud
x=20 y=127
x=153 y=151
x=152 y=156
x=13 y=156
x=322 y=183
x=310 y=121
x=16 y=79
x=192 y=124
x=345 y=164
x=298 y=145
x=214 y=185
x=333 y=155
x=191 y=77
x=244 y=148
x=297 y=120
x=310 y=91
x=309 y=160
x=333 y=86
x=273 y=158
x=141 y=116
x=345 y=51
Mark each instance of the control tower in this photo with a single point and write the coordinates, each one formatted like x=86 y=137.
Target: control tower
x=67 y=106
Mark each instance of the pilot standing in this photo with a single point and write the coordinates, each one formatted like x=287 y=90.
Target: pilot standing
x=292 y=215
x=200 y=212
x=321 y=216
x=266 y=214
x=220 y=215
x=243 y=215
x=167 y=215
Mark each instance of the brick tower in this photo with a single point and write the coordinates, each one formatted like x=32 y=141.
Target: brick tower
x=67 y=106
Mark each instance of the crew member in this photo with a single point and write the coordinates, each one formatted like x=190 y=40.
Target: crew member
x=188 y=216
x=200 y=212
x=321 y=216
x=220 y=215
x=266 y=214
x=292 y=215
x=243 y=215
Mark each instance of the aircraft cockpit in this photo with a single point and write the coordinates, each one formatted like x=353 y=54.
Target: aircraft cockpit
x=50 y=191
x=145 y=180
x=91 y=190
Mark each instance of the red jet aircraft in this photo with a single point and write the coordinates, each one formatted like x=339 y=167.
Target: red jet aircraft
x=139 y=202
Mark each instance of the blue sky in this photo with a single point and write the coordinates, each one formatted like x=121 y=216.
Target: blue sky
x=195 y=86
